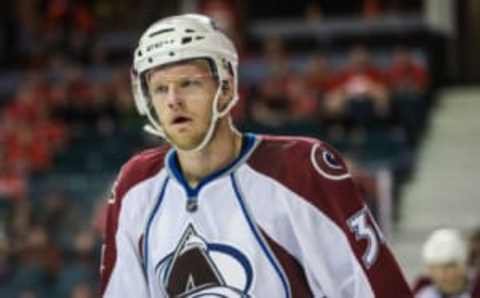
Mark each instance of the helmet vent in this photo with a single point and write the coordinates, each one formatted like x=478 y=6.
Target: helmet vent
x=186 y=40
x=199 y=37
x=189 y=31
x=161 y=32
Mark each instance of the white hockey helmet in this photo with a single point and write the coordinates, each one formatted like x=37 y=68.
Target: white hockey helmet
x=181 y=38
x=444 y=246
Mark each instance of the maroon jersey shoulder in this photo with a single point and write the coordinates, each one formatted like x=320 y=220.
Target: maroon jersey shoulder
x=317 y=174
x=287 y=149
x=294 y=161
x=310 y=168
x=140 y=167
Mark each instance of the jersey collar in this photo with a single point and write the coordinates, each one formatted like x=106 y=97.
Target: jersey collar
x=249 y=143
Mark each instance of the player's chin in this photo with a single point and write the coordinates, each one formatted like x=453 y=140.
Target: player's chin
x=186 y=139
x=186 y=142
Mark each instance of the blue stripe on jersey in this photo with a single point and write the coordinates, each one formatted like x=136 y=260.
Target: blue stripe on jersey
x=261 y=241
x=239 y=257
x=174 y=167
x=149 y=223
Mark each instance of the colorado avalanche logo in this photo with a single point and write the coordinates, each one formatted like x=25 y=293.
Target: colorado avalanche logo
x=200 y=269
x=328 y=164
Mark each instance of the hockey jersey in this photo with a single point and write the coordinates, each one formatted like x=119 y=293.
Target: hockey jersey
x=282 y=220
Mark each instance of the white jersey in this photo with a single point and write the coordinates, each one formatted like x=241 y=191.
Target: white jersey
x=282 y=220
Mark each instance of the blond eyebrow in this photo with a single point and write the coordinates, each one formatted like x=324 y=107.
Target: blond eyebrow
x=199 y=62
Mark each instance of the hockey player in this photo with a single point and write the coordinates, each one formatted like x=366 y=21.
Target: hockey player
x=218 y=213
x=445 y=259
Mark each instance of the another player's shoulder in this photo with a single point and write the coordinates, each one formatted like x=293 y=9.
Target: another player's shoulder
x=428 y=291
x=421 y=283
x=140 y=167
x=280 y=154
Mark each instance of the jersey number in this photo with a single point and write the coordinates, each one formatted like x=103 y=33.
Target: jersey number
x=364 y=230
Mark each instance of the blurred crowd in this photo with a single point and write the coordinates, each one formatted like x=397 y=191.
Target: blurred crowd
x=65 y=86
x=49 y=245
x=51 y=250
x=356 y=93
x=49 y=107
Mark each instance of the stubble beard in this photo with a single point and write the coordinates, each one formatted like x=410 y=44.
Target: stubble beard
x=189 y=140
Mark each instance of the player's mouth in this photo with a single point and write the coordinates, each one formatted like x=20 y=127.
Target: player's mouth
x=179 y=120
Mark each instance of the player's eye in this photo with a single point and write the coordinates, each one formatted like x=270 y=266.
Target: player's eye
x=190 y=82
x=160 y=89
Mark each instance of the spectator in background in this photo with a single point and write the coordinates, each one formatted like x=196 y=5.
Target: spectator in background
x=28 y=99
x=52 y=132
x=28 y=293
x=71 y=24
x=284 y=95
x=6 y=264
x=38 y=261
x=223 y=13
x=303 y=103
x=126 y=113
x=27 y=150
x=82 y=114
x=271 y=104
x=318 y=74
x=13 y=184
x=319 y=80
x=28 y=133
x=371 y=8
x=226 y=14
x=313 y=12
x=59 y=102
x=104 y=110
x=276 y=57
x=80 y=266
x=405 y=75
x=359 y=93
x=408 y=82
x=82 y=290
x=28 y=30
x=59 y=215
x=444 y=255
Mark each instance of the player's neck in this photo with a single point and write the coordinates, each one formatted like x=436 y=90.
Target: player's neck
x=223 y=148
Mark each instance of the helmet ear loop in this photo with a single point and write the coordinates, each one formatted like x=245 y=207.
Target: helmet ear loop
x=213 y=123
x=216 y=114
x=234 y=82
x=224 y=88
x=154 y=127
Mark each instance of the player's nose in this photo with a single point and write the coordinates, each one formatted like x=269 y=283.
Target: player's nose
x=174 y=98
